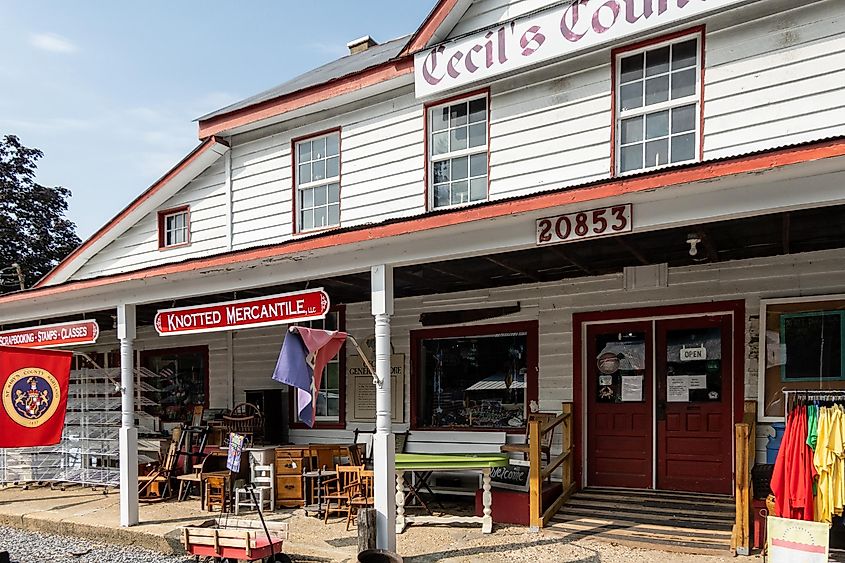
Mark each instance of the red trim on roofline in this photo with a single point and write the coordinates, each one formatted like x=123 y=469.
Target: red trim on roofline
x=305 y=97
x=611 y=187
x=157 y=185
x=426 y=31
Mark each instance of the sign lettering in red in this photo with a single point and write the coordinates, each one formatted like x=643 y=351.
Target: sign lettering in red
x=300 y=306
x=580 y=225
x=48 y=336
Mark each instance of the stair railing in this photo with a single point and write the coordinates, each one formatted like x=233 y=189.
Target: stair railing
x=538 y=474
x=745 y=437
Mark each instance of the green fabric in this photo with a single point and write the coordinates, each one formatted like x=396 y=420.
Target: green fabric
x=450 y=461
x=812 y=426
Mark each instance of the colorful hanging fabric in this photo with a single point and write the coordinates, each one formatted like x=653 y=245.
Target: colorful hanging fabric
x=792 y=479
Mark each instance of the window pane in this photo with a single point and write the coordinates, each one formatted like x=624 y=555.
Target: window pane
x=318 y=170
x=478 y=165
x=441 y=171
x=318 y=148
x=333 y=407
x=332 y=380
x=334 y=214
x=683 y=147
x=441 y=195
x=332 y=145
x=683 y=119
x=304 y=175
x=308 y=198
x=458 y=139
x=458 y=115
x=684 y=54
x=657 y=124
x=320 y=217
x=305 y=151
x=477 y=134
x=632 y=130
x=332 y=169
x=631 y=158
x=307 y=219
x=459 y=168
x=657 y=61
x=320 y=195
x=460 y=192
x=478 y=189
x=656 y=90
x=683 y=83
x=632 y=68
x=334 y=193
x=656 y=153
x=631 y=96
x=440 y=142
x=169 y=222
x=439 y=119
x=478 y=110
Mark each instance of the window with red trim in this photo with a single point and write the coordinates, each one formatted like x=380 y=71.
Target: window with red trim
x=318 y=182
x=457 y=151
x=658 y=104
x=174 y=227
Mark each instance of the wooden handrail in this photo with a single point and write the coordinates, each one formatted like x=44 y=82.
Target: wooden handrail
x=537 y=474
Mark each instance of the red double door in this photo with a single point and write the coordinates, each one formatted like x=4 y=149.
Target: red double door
x=659 y=404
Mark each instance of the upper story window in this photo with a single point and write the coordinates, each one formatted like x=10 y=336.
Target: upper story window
x=318 y=182
x=658 y=108
x=174 y=227
x=457 y=152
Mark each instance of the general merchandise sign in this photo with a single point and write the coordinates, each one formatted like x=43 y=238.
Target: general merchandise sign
x=558 y=32
x=53 y=335
x=300 y=306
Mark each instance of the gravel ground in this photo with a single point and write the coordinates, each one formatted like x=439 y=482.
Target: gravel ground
x=36 y=547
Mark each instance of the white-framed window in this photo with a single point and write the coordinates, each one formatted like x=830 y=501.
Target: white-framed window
x=658 y=104
x=457 y=152
x=318 y=182
x=174 y=227
x=331 y=394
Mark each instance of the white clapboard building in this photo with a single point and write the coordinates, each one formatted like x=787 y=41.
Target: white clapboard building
x=631 y=206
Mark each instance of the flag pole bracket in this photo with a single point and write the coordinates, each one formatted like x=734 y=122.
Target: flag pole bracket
x=376 y=380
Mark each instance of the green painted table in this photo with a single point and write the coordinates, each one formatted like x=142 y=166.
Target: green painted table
x=482 y=463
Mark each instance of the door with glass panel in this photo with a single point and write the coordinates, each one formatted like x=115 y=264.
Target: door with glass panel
x=694 y=403
x=619 y=405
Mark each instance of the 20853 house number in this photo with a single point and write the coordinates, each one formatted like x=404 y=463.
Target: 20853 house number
x=585 y=224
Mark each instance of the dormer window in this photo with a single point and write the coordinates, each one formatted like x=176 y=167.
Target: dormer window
x=174 y=227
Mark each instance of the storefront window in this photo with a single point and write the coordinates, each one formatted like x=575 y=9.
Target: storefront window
x=173 y=382
x=473 y=381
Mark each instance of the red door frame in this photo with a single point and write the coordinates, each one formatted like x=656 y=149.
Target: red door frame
x=736 y=307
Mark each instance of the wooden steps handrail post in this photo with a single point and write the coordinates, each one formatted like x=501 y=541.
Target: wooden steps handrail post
x=744 y=442
x=537 y=474
x=535 y=486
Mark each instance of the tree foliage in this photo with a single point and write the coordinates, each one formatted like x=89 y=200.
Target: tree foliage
x=33 y=228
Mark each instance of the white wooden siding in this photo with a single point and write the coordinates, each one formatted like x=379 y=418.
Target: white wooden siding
x=485 y=13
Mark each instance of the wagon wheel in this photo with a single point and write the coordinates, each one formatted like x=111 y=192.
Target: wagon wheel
x=280 y=558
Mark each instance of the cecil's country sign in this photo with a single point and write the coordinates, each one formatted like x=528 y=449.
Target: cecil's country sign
x=286 y=308
x=558 y=32
x=48 y=336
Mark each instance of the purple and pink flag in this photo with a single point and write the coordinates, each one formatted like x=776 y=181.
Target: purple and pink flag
x=305 y=353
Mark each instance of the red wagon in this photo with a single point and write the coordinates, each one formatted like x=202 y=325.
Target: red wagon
x=225 y=540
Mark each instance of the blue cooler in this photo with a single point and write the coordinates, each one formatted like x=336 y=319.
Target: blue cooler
x=774 y=441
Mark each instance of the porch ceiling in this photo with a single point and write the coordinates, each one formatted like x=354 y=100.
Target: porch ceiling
x=754 y=237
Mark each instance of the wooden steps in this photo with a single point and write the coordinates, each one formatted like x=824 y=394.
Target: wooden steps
x=669 y=521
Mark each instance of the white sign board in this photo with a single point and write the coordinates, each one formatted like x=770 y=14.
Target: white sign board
x=363 y=397
x=558 y=32
x=677 y=389
x=693 y=354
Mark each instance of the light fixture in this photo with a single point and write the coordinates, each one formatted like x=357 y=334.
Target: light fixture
x=692 y=240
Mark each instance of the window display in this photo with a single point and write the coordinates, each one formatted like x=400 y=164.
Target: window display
x=180 y=381
x=473 y=381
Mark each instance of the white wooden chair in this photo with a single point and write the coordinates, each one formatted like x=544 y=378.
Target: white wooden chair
x=265 y=490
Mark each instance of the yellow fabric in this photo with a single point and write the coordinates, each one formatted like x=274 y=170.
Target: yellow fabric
x=829 y=461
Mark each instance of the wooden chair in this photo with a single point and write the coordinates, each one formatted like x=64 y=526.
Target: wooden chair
x=361 y=495
x=325 y=456
x=356 y=454
x=155 y=486
x=215 y=492
x=545 y=445
x=338 y=490
x=245 y=419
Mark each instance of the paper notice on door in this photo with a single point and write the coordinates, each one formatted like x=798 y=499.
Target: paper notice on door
x=632 y=388
x=677 y=389
x=697 y=381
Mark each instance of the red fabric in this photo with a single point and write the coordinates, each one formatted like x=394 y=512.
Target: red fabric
x=322 y=345
x=34 y=396
x=792 y=479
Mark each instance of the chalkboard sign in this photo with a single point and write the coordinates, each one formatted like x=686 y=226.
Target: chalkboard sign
x=512 y=476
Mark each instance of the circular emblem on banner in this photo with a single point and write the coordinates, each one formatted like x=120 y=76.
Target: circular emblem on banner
x=608 y=363
x=31 y=396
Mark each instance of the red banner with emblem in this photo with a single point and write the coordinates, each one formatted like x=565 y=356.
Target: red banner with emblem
x=34 y=396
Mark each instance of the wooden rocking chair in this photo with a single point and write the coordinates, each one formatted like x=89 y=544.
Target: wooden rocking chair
x=155 y=486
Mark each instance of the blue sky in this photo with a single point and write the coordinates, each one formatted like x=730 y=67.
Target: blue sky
x=109 y=90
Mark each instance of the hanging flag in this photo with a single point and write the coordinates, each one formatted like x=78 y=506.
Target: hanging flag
x=305 y=353
x=34 y=396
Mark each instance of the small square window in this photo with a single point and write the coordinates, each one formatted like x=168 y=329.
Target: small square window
x=174 y=228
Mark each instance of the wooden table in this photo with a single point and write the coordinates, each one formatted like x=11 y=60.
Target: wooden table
x=482 y=463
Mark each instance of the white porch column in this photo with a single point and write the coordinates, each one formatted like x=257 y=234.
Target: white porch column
x=128 y=432
x=384 y=449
